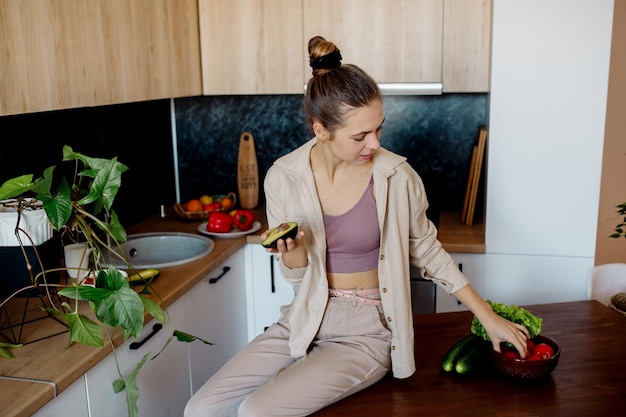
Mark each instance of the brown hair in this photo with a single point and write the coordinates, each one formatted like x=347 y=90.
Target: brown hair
x=334 y=89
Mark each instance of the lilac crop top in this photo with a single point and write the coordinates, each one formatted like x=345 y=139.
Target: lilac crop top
x=353 y=238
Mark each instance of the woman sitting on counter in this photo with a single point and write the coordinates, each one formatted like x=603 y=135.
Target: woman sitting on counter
x=361 y=212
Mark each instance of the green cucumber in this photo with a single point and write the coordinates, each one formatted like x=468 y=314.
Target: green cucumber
x=472 y=360
x=457 y=350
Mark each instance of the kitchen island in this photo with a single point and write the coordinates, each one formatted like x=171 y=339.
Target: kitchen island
x=46 y=368
x=589 y=380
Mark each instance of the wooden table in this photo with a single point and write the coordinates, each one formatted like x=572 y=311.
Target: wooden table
x=590 y=379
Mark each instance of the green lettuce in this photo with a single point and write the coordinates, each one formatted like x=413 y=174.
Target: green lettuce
x=512 y=313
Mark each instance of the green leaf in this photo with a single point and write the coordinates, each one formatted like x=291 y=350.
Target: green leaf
x=44 y=184
x=116 y=229
x=124 y=308
x=111 y=279
x=6 y=353
x=106 y=183
x=59 y=208
x=153 y=309
x=5 y=350
x=188 y=338
x=16 y=186
x=129 y=384
x=84 y=330
x=85 y=293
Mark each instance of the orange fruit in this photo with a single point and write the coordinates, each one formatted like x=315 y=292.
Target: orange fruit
x=226 y=203
x=194 y=205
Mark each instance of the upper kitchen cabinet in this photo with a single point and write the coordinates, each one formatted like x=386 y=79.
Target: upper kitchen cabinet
x=399 y=41
x=251 y=46
x=58 y=54
x=466 y=45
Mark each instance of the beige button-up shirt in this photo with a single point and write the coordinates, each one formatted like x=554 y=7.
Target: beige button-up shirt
x=407 y=237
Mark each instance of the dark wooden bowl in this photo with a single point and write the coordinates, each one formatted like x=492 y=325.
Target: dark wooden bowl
x=527 y=369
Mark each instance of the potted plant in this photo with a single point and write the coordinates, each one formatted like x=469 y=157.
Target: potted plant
x=82 y=206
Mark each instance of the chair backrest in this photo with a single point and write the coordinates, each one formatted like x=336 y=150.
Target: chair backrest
x=605 y=281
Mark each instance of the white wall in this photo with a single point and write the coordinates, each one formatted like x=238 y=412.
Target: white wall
x=550 y=63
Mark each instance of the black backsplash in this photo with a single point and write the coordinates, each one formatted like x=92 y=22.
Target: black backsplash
x=435 y=133
x=139 y=134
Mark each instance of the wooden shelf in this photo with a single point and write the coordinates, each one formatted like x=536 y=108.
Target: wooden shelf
x=459 y=238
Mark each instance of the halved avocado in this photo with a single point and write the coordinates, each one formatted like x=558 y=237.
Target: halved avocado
x=144 y=277
x=282 y=231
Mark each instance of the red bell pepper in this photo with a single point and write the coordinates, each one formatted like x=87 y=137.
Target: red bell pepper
x=219 y=222
x=243 y=220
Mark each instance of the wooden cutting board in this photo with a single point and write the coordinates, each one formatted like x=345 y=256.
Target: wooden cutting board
x=247 y=172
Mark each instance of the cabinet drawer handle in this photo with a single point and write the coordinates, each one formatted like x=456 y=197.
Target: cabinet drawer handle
x=155 y=330
x=272 y=283
x=460 y=269
x=217 y=278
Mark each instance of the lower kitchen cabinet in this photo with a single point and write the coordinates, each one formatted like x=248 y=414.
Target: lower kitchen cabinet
x=266 y=289
x=216 y=312
x=473 y=267
x=72 y=402
x=163 y=382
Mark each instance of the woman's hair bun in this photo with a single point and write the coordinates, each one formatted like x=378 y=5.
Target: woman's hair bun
x=323 y=54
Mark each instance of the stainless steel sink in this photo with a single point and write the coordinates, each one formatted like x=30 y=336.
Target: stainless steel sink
x=161 y=250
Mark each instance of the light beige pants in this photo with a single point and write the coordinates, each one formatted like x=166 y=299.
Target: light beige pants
x=350 y=352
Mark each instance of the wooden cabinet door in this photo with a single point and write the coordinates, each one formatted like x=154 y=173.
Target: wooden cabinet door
x=251 y=46
x=57 y=54
x=42 y=56
x=394 y=41
x=142 y=50
x=466 y=45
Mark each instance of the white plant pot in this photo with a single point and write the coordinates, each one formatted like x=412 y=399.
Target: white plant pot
x=33 y=222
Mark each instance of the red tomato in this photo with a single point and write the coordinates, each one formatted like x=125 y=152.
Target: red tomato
x=544 y=350
x=530 y=345
x=212 y=206
x=534 y=358
x=511 y=354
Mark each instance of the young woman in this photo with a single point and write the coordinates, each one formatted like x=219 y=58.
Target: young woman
x=361 y=212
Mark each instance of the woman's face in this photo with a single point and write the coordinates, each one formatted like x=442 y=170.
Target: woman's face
x=358 y=139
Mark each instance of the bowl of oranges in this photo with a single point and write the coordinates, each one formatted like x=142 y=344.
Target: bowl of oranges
x=199 y=208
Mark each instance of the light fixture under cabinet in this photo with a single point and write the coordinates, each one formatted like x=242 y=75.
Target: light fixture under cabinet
x=409 y=89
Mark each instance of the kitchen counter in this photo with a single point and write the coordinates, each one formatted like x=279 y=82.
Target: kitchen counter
x=589 y=379
x=28 y=382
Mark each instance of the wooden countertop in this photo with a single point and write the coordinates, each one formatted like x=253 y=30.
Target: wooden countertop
x=589 y=379
x=51 y=361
